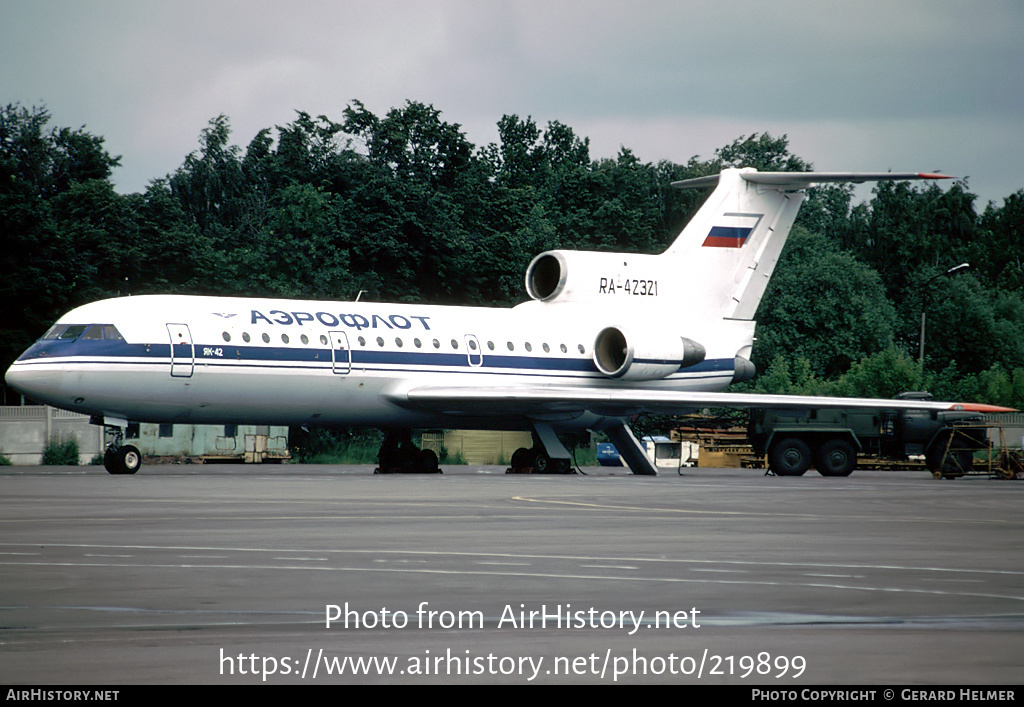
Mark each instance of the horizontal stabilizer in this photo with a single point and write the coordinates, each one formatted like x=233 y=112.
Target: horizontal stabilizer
x=801 y=180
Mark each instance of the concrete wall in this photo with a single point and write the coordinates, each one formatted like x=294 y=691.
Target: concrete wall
x=26 y=429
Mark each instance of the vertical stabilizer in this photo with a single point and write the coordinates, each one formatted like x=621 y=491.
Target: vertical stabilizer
x=728 y=250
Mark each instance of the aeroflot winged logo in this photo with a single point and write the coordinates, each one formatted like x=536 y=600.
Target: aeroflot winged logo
x=733 y=231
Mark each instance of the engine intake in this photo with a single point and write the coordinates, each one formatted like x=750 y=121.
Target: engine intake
x=546 y=276
x=644 y=358
x=557 y=276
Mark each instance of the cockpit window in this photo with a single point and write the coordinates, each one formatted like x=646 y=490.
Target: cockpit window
x=72 y=332
x=85 y=331
x=54 y=331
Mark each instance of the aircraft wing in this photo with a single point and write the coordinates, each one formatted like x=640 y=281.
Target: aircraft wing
x=626 y=402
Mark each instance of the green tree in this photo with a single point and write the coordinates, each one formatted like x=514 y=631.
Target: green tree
x=56 y=206
x=884 y=374
x=822 y=305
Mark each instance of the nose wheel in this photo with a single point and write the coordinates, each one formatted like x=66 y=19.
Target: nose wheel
x=121 y=458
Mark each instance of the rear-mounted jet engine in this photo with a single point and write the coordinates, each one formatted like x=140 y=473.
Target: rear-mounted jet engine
x=646 y=357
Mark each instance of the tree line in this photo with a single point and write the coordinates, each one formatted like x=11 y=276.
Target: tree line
x=404 y=208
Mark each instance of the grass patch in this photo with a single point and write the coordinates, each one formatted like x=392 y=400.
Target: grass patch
x=61 y=451
x=445 y=457
x=323 y=446
x=585 y=456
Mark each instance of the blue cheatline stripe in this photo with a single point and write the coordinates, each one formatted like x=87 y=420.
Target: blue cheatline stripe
x=320 y=358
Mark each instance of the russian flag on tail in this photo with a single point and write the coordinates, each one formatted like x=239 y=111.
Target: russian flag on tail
x=733 y=233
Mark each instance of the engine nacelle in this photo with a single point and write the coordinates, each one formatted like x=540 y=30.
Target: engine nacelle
x=585 y=276
x=646 y=357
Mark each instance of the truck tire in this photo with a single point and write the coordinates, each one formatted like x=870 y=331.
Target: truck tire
x=790 y=457
x=836 y=457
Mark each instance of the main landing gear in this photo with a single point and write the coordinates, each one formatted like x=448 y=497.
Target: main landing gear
x=398 y=455
x=120 y=458
x=547 y=456
x=536 y=461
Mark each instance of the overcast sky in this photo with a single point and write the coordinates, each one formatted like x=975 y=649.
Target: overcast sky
x=859 y=85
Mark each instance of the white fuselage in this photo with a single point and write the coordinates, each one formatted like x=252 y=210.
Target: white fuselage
x=294 y=362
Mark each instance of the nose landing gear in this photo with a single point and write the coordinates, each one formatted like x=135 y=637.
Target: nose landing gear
x=120 y=458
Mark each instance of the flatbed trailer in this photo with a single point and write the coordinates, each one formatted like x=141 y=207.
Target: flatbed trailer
x=833 y=440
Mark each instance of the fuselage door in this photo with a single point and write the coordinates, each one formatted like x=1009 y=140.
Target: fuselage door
x=473 y=351
x=341 y=354
x=183 y=352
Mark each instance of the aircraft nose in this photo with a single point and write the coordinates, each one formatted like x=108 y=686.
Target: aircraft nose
x=29 y=380
x=15 y=376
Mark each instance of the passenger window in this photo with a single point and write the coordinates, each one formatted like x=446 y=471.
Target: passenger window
x=455 y=344
x=284 y=338
x=266 y=338
x=398 y=342
x=511 y=347
x=380 y=341
x=323 y=340
x=564 y=349
x=245 y=337
x=227 y=336
x=547 y=349
x=529 y=347
x=580 y=347
x=304 y=339
x=362 y=341
x=437 y=344
x=490 y=345
x=472 y=345
x=417 y=343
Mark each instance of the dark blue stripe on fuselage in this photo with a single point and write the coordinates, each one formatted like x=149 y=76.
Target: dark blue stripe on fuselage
x=306 y=357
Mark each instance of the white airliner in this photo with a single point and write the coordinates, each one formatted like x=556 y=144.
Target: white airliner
x=606 y=336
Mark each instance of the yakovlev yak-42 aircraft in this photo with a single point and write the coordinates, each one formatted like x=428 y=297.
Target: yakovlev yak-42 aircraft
x=606 y=336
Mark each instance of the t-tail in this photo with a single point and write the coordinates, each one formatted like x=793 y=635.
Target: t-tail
x=721 y=261
x=730 y=247
x=699 y=297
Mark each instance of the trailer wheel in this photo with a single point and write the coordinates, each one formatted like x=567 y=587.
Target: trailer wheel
x=836 y=457
x=791 y=457
x=948 y=464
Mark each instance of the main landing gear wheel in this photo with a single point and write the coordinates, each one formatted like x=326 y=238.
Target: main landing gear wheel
x=427 y=462
x=790 y=457
x=541 y=462
x=836 y=457
x=537 y=461
x=122 y=460
x=398 y=455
